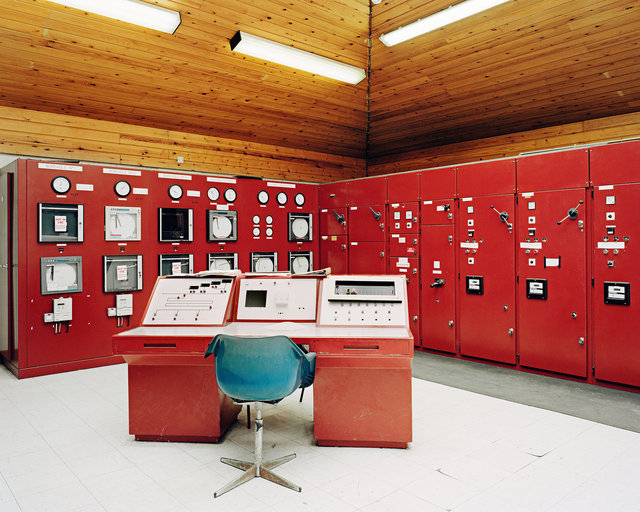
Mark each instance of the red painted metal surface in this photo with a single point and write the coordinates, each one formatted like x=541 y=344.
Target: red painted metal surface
x=367 y=223
x=403 y=187
x=438 y=183
x=553 y=171
x=366 y=191
x=553 y=276
x=404 y=217
x=333 y=221
x=367 y=258
x=615 y=163
x=333 y=195
x=410 y=267
x=362 y=401
x=334 y=253
x=178 y=402
x=437 y=306
x=615 y=325
x=406 y=245
x=486 y=178
x=486 y=307
x=438 y=211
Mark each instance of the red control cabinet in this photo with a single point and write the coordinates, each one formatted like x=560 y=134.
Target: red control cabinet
x=486 y=259
x=552 y=225
x=367 y=223
x=367 y=258
x=437 y=260
x=552 y=271
x=616 y=310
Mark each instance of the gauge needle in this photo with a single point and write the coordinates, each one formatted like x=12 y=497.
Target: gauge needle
x=117 y=220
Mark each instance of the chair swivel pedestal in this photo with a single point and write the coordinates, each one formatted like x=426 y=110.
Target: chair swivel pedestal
x=258 y=468
x=259 y=370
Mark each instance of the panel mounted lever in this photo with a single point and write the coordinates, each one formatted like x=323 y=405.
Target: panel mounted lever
x=339 y=217
x=376 y=215
x=572 y=213
x=437 y=283
x=503 y=216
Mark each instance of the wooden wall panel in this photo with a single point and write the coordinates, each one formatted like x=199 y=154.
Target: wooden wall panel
x=42 y=134
x=585 y=132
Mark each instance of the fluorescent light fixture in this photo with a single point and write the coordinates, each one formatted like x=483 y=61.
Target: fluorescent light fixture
x=292 y=57
x=437 y=20
x=131 y=11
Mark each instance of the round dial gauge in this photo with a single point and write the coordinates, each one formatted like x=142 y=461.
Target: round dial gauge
x=299 y=265
x=263 y=197
x=299 y=199
x=220 y=264
x=122 y=225
x=175 y=191
x=213 y=194
x=61 y=277
x=230 y=195
x=264 y=265
x=281 y=198
x=268 y=231
x=122 y=188
x=269 y=219
x=256 y=231
x=60 y=185
x=300 y=228
x=256 y=219
x=221 y=227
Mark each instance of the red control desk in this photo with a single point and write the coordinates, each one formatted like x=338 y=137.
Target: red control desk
x=362 y=388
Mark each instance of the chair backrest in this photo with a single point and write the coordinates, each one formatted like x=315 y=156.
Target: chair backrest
x=263 y=369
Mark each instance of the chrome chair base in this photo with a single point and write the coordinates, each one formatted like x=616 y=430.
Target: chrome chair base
x=257 y=468
x=251 y=470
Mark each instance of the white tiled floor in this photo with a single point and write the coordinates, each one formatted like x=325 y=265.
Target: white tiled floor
x=64 y=446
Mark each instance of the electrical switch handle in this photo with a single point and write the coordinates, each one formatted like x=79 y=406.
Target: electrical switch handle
x=572 y=213
x=504 y=216
x=339 y=217
x=376 y=215
x=437 y=283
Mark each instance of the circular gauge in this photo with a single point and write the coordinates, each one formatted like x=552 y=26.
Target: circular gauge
x=122 y=188
x=122 y=225
x=60 y=185
x=175 y=191
x=299 y=199
x=220 y=264
x=282 y=198
x=213 y=194
x=268 y=231
x=269 y=219
x=300 y=264
x=263 y=197
x=256 y=219
x=62 y=277
x=263 y=265
x=230 y=195
x=221 y=227
x=256 y=231
x=300 y=228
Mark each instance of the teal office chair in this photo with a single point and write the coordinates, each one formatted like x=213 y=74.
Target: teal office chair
x=260 y=370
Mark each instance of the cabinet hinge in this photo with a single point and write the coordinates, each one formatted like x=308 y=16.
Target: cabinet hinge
x=517 y=358
x=593 y=282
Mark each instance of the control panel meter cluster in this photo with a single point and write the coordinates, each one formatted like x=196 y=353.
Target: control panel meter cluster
x=367 y=301
x=190 y=300
x=278 y=299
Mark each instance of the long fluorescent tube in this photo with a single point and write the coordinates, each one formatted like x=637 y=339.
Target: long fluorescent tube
x=131 y=11
x=437 y=20
x=292 y=57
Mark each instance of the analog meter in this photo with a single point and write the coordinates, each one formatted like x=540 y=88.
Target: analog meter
x=60 y=185
x=122 y=188
x=175 y=191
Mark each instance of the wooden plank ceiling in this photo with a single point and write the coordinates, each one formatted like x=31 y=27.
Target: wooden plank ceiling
x=520 y=66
